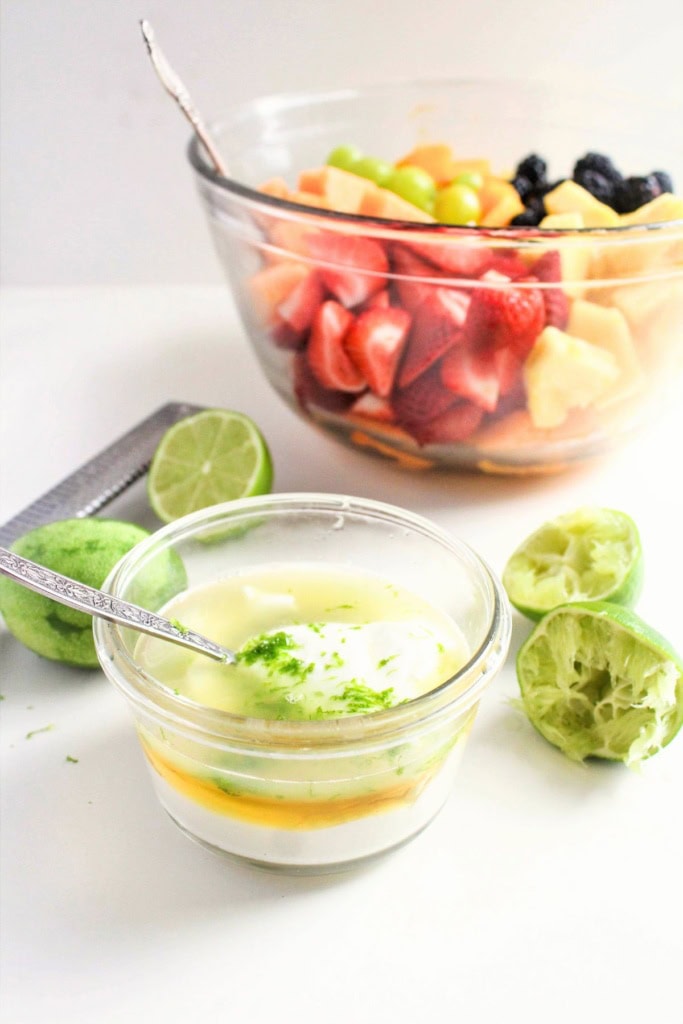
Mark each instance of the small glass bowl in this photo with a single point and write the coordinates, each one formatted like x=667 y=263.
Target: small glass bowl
x=318 y=796
x=618 y=289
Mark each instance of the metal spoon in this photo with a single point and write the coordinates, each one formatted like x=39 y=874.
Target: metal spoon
x=96 y=602
x=176 y=89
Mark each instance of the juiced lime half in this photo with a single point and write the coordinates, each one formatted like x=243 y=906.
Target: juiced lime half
x=213 y=456
x=592 y=554
x=597 y=681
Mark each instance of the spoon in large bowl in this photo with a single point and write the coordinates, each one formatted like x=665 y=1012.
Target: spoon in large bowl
x=175 y=87
x=96 y=602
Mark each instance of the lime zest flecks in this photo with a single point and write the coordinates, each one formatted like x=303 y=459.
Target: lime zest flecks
x=273 y=651
x=71 y=760
x=359 y=698
x=34 y=732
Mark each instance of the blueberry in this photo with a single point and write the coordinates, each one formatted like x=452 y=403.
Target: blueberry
x=530 y=218
x=597 y=184
x=632 y=193
x=533 y=168
x=663 y=180
x=599 y=163
x=523 y=185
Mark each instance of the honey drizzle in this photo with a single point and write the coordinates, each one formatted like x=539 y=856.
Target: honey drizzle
x=286 y=814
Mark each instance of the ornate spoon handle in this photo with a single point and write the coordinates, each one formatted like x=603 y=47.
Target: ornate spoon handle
x=97 y=602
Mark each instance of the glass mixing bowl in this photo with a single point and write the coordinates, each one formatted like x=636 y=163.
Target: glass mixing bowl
x=465 y=392
x=308 y=796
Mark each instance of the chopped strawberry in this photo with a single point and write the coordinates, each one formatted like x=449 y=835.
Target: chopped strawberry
x=284 y=335
x=548 y=269
x=451 y=427
x=505 y=316
x=327 y=357
x=423 y=400
x=438 y=324
x=509 y=263
x=298 y=309
x=409 y=269
x=372 y=407
x=457 y=258
x=375 y=344
x=365 y=258
x=309 y=392
x=509 y=369
x=556 y=308
x=472 y=374
x=380 y=300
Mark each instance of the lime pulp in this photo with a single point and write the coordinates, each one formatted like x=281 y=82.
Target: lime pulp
x=597 y=681
x=591 y=554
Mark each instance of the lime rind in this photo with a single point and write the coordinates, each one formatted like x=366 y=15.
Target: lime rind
x=213 y=456
x=590 y=554
x=597 y=681
x=85 y=550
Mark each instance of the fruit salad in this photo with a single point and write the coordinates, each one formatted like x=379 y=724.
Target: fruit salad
x=437 y=311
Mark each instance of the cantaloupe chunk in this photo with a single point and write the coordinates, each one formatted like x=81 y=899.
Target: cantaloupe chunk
x=501 y=213
x=268 y=287
x=341 y=190
x=308 y=199
x=383 y=203
x=436 y=158
x=471 y=166
x=497 y=190
x=277 y=187
x=290 y=236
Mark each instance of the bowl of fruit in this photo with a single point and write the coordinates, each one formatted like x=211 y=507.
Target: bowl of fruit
x=470 y=275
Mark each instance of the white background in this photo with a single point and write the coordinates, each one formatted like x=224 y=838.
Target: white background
x=545 y=891
x=95 y=185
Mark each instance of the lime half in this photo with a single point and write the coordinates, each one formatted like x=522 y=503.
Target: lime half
x=84 y=549
x=213 y=456
x=592 y=554
x=597 y=681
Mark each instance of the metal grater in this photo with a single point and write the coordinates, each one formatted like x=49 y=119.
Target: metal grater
x=101 y=479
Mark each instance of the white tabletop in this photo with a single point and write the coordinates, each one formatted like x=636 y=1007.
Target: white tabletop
x=544 y=888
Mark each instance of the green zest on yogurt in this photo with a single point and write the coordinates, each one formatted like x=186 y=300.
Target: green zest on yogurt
x=312 y=644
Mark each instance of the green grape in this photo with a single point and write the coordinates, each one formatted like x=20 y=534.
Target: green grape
x=474 y=179
x=344 y=157
x=414 y=185
x=457 y=204
x=374 y=169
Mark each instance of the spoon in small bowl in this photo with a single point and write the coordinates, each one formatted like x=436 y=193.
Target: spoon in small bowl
x=95 y=602
x=175 y=87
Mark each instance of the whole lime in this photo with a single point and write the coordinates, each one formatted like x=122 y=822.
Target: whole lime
x=85 y=550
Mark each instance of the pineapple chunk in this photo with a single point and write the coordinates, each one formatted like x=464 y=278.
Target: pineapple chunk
x=664 y=207
x=568 y=197
x=575 y=255
x=563 y=373
x=609 y=330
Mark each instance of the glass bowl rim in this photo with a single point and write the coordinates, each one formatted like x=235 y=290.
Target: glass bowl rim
x=298 y=98
x=148 y=693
